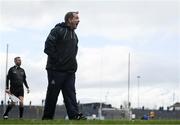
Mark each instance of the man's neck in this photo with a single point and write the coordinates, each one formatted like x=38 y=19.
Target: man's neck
x=69 y=25
x=17 y=66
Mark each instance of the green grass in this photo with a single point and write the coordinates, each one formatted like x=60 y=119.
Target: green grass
x=88 y=122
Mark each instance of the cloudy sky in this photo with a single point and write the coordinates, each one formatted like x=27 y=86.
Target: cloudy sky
x=108 y=31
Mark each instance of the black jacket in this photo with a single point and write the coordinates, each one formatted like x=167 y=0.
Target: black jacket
x=61 y=48
x=16 y=75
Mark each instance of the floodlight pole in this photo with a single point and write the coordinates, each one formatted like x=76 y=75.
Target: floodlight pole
x=129 y=86
x=7 y=49
x=138 y=80
x=128 y=79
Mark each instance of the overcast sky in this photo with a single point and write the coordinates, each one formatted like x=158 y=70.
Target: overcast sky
x=108 y=30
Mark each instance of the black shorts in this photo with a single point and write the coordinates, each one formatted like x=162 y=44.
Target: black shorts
x=17 y=91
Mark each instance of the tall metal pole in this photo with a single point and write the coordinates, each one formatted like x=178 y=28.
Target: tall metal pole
x=101 y=68
x=129 y=81
x=129 y=104
x=138 y=80
x=7 y=49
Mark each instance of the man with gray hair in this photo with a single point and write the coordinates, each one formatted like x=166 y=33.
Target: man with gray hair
x=61 y=46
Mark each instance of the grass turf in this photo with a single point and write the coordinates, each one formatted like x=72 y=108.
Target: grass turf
x=88 y=122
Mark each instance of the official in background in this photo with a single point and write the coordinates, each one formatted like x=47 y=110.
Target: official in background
x=17 y=77
x=61 y=46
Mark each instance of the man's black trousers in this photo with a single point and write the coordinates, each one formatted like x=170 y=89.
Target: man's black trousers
x=60 y=81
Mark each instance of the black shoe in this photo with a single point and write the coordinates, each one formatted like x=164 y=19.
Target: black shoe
x=79 y=116
x=5 y=116
x=47 y=118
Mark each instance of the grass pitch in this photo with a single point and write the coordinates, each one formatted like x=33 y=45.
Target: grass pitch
x=88 y=122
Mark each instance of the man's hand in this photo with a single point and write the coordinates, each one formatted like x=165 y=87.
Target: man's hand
x=8 y=91
x=28 y=91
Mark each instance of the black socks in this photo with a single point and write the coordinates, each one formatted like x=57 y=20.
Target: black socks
x=7 y=110
x=21 y=110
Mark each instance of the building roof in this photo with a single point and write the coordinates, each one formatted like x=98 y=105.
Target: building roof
x=177 y=104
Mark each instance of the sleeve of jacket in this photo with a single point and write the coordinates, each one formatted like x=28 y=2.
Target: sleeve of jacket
x=25 y=82
x=50 y=44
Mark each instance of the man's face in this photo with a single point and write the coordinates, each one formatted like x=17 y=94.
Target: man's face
x=73 y=22
x=18 y=61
